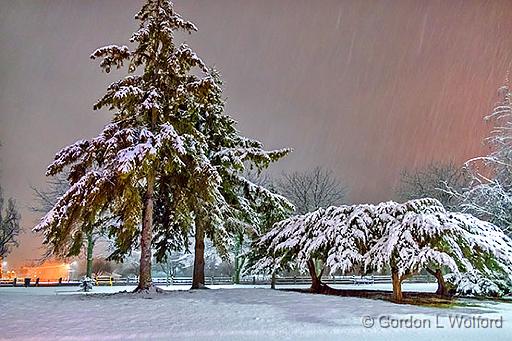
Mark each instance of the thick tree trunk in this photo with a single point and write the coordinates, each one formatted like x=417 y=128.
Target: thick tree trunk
x=198 y=276
x=441 y=284
x=145 y=281
x=90 y=249
x=316 y=283
x=397 y=285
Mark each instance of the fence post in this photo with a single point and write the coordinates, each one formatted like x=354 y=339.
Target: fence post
x=294 y=279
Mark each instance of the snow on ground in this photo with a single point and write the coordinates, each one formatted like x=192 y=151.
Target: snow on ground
x=233 y=313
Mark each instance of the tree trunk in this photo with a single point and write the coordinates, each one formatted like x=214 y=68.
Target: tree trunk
x=1 y=266
x=397 y=285
x=238 y=263
x=145 y=281
x=236 y=277
x=90 y=248
x=273 y=280
x=441 y=284
x=198 y=277
x=316 y=283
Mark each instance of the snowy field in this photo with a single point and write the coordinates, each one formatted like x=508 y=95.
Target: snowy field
x=236 y=313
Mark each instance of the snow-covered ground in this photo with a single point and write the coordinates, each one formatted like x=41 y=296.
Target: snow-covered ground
x=235 y=313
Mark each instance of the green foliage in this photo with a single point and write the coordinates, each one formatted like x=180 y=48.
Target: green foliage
x=168 y=127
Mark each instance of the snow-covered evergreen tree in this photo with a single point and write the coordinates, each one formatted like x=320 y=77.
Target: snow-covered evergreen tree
x=168 y=143
x=46 y=198
x=152 y=136
x=244 y=204
x=403 y=238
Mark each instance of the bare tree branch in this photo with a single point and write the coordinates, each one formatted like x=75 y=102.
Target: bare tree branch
x=312 y=189
x=9 y=225
x=432 y=182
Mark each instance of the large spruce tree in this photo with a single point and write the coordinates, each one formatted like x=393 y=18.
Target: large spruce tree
x=168 y=143
x=247 y=204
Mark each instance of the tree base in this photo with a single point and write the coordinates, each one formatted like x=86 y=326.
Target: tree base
x=322 y=288
x=152 y=289
x=198 y=286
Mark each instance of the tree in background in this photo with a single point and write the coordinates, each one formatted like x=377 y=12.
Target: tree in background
x=490 y=195
x=9 y=227
x=56 y=187
x=432 y=181
x=310 y=190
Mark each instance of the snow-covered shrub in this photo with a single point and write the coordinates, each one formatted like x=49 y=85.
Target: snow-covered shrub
x=472 y=283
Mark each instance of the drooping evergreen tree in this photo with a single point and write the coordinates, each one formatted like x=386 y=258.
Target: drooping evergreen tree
x=402 y=238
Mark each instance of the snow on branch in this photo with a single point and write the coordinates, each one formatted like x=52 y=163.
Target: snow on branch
x=113 y=55
x=409 y=237
x=67 y=156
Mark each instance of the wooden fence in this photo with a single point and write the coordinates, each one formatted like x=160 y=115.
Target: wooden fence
x=226 y=280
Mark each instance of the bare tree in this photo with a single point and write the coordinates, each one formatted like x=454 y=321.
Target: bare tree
x=311 y=189
x=56 y=186
x=9 y=227
x=432 y=182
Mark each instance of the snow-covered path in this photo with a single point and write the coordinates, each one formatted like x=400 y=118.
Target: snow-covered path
x=227 y=314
